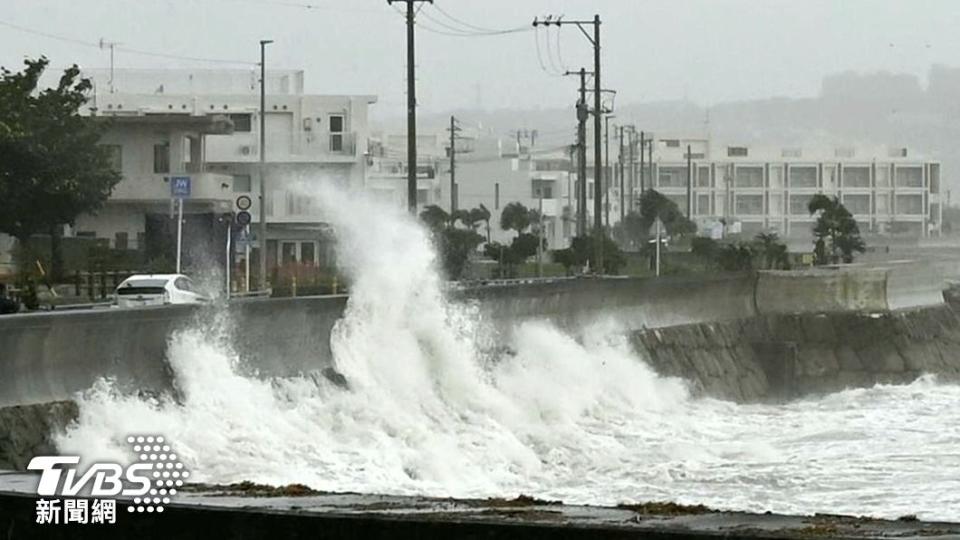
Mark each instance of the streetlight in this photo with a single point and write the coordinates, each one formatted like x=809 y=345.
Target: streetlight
x=263 y=142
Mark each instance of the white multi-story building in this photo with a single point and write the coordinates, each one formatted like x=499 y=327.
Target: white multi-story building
x=387 y=169
x=888 y=190
x=205 y=124
x=498 y=172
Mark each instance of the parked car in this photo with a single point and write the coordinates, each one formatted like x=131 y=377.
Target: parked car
x=157 y=289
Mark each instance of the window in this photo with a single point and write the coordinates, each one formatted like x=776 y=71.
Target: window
x=336 y=133
x=909 y=177
x=856 y=177
x=803 y=177
x=883 y=175
x=672 y=177
x=288 y=252
x=844 y=152
x=703 y=204
x=883 y=203
x=798 y=205
x=934 y=178
x=161 y=158
x=749 y=205
x=242 y=183
x=910 y=204
x=671 y=143
x=120 y=241
x=115 y=155
x=542 y=188
x=703 y=177
x=241 y=122
x=307 y=252
x=86 y=234
x=791 y=152
x=857 y=204
x=736 y=151
x=749 y=177
x=183 y=284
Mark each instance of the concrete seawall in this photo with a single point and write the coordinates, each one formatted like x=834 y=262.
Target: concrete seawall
x=51 y=356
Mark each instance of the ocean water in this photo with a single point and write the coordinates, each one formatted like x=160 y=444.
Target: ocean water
x=580 y=418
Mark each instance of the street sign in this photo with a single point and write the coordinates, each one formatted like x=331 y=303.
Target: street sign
x=243 y=202
x=243 y=218
x=180 y=187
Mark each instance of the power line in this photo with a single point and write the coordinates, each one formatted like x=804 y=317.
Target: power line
x=130 y=50
x=461 y=22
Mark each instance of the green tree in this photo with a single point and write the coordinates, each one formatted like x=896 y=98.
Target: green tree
x=52 y=168
x=837 y=233
x=515 y=217
x=581 y=252
x=454 y=244
x=771 y=251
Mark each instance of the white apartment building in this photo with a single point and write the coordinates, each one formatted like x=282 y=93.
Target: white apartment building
x=499 y=171
x=755 y=188
x=205 y=124
x=387 y=169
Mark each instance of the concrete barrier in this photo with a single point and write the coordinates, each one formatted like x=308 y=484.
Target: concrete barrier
x=822 y=290
x=48 y=357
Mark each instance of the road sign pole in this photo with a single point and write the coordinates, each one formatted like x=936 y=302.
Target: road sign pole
x=179 y=232
x=226 y=263
x=246 y=259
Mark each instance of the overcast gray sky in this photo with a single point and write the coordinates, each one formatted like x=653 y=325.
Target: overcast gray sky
x=707 y=50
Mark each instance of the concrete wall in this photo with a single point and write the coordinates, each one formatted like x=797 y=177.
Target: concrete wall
x=51 y=356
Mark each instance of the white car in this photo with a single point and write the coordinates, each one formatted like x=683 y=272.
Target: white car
x=157 y=289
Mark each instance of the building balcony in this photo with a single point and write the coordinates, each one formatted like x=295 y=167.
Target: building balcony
x=206 y=187
x=290 y=147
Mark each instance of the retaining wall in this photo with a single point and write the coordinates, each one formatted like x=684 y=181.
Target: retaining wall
x=48 y=357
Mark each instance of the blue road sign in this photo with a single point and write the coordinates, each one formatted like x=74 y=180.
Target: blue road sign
x=180 y=187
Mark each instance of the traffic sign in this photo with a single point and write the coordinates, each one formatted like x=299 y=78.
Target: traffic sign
x=243 y=218
x=180 y=187
x=244 y=202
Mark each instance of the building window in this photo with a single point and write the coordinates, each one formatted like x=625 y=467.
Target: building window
x=934 y=178
x=910 y=204
x=542 y=188
x=672 y=177
x=911 y=177
x=115 y=156
x=703 y=177
x=799 y=205
x=857 y=204
x=703 y=204
x=749 y=177
x=308 y=252
x=803 y=177
x=856 y=177
x=86 y=234
x=749 y=205
x=241 y=122
x=336 y=133
x=791 y=152
x=844 y=152
x=242 y=183
x=161 y=158
x=120 y=241
x=671 y=143
x=736 y=151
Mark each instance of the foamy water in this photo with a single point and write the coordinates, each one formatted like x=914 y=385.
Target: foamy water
x=579 y=419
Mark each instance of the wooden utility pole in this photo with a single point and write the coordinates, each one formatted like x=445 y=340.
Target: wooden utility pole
x=597 y=150
x=623 y=209
x=411 y=108
x=582 y=114
x=453 y=164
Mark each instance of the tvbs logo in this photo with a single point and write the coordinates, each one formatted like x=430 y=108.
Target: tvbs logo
x=150 y=481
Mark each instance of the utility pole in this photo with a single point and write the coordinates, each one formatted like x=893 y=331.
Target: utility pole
x=582 y=114
x=411 y=109
x=689 y=183
x=631 y=148
x=623 y=210
x=650 y=158
x=454 y=128
x=263 y=151
x=598 y=158
x=643 y=183
x=606 y=168
x=111 y=45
